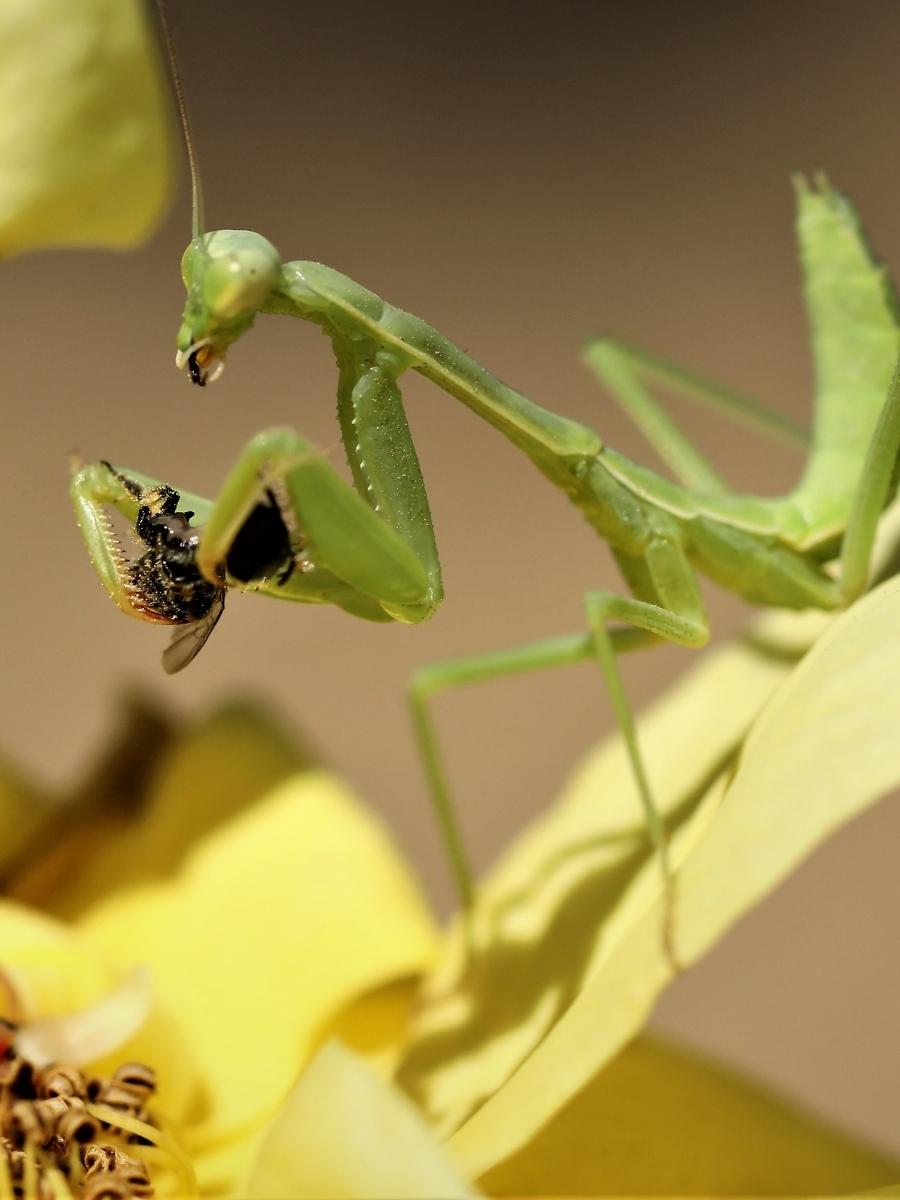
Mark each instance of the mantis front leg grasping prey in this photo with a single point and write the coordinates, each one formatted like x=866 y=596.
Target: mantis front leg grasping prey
x=369 y=547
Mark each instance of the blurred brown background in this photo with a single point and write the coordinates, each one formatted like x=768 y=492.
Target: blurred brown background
x=521 y=177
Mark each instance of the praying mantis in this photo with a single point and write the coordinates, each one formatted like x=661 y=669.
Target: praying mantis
x=286 y=524
x=301 y=532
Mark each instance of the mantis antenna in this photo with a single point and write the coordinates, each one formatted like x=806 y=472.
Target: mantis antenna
x=197 y=215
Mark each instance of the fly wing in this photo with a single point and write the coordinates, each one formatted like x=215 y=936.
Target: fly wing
x=188 y=640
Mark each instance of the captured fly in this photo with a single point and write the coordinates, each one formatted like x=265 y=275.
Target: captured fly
x=164 y=583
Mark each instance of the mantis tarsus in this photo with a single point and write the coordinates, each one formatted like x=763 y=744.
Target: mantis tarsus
x=369 y=547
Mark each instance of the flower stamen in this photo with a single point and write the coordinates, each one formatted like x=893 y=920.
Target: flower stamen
x=67 y=1136
x=156 y=1146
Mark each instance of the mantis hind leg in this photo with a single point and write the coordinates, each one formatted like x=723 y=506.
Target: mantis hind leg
x=877 y=478
x=657 y=622
x=672 y=611
x=626 y=373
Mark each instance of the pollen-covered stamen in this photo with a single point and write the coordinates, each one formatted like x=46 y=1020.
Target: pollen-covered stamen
x=68 y=1136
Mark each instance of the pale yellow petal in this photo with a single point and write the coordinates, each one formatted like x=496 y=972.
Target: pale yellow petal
x=345 y=1134
x=544 y=916
x=376 y=1025
x=278 y=921
x=87 y=1034
x=824 y=747
x=660 y=1121
x=45 y=968
x=84 y=140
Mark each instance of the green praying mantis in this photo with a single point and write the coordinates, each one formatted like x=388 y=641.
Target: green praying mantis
x=287 y=524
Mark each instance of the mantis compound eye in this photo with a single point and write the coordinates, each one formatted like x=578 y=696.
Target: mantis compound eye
x=235 y=284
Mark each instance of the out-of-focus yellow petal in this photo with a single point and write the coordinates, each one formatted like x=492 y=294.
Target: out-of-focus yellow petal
x=150 y=799
x=823 y=748
x=84 y=149
x=346 y=1134
x=277 y=922
x=88 y=1034
x=46 y=969
x=22 y=811
x=53 y=981
x=377 y=1024
x=659 y=1121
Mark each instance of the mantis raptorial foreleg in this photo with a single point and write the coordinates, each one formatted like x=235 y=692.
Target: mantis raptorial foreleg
x=341 y=533
x=285 y=523
x=95 y=489
x=877 y=480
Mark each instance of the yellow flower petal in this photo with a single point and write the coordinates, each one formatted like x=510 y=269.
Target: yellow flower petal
x=542 y=918
x=217 y=768
x=659 y=1121
x=52 y=980
x=344 y=1133
x=277 y=922
x=376 y=1024
x=824 y=748
x=88 y=1034
x=83 y=124
x=45 y=969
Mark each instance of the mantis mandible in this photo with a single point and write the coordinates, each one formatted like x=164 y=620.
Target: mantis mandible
x=368 y=546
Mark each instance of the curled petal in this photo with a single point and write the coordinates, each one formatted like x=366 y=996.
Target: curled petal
x=93 y=1032
x=346 y=1134
x=823 y=748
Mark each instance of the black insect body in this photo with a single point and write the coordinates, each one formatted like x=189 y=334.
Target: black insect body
x=165 y=583
x=263 y=546
x=166 y=575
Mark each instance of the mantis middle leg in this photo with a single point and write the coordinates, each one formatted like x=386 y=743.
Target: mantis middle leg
x=666 y=605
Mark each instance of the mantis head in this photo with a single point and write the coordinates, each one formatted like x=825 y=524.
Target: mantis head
x=228 y=275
